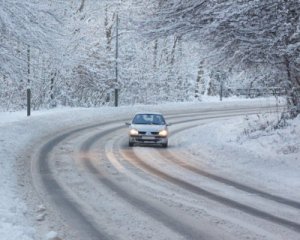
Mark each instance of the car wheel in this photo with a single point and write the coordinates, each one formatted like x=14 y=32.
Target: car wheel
x=165 y=145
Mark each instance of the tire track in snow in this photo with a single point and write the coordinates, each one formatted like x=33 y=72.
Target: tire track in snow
x=60 y=198
x=182 y=163
x=144 y=206
x=135 y=160
x=172 y=158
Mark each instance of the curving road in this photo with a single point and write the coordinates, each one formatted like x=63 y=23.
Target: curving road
x=102 y=189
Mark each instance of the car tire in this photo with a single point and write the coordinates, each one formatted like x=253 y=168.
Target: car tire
x=165 y=145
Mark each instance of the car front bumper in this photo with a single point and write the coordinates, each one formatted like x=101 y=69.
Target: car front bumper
x=148 y=139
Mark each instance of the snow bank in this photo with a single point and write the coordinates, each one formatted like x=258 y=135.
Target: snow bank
x=249 y=150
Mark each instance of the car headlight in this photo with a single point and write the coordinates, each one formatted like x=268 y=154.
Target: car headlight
x=163 y=133
x=133 y=132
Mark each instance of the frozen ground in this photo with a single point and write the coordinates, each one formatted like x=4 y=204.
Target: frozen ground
x=249 y=150
x=264 y=155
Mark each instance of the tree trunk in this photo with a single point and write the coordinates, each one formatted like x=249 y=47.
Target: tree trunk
x=293 y=98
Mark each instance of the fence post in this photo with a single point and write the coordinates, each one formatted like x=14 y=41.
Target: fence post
x=28 y=102
x=221 y=90
x=116 y=97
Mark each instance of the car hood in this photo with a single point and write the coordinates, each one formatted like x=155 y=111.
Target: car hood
x=148 y=128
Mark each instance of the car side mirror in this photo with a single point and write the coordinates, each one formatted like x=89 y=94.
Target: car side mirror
x=169 y=124
x=127 y=124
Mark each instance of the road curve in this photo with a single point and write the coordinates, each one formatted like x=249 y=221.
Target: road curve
x=105 y=190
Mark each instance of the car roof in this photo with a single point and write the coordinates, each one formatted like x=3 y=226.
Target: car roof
x=151 y=113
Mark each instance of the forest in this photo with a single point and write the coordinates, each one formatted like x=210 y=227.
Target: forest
x=78 y=53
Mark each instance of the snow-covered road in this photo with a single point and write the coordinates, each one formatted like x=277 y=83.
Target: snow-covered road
x=77 y=177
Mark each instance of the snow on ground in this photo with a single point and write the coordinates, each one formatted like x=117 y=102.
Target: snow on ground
x=278 y=150
x=249 y=149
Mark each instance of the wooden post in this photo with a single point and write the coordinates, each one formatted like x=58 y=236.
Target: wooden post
x=28 y=102
x=28 y=83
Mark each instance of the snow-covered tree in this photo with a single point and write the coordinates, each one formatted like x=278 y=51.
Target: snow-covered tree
x=65 y=52
x=239 y=35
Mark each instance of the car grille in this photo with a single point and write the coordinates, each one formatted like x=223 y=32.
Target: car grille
x=144 y=133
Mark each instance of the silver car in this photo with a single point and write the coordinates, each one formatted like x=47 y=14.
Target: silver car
x=148 y=128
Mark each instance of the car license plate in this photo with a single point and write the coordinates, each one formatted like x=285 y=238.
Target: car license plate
x=148 y=138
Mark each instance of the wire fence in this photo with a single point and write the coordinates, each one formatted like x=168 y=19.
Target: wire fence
x=292 y=95
x=256 y=92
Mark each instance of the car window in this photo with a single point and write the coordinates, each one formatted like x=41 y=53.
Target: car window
x=154 y=119
x=158 y=120
x=138 y=119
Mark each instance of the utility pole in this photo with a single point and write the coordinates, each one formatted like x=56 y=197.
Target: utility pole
x=116 y=58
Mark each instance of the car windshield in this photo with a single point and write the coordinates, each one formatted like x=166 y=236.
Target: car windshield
x=154 y=119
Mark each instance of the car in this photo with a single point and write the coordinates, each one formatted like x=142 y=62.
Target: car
x=148 y=128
